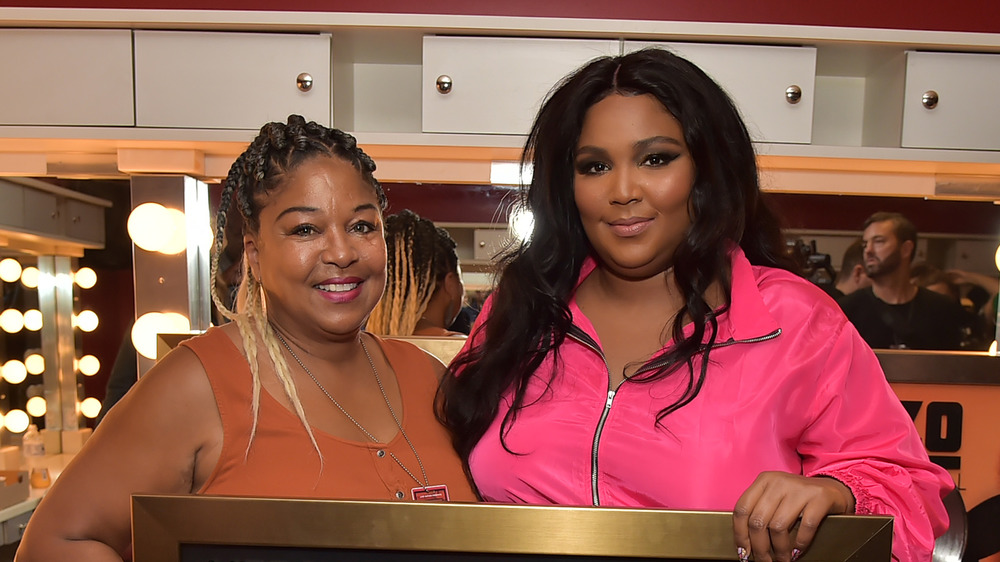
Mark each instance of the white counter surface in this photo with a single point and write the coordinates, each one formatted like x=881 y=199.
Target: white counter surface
x=56 y=464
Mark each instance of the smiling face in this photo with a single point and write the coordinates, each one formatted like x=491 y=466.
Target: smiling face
x=632 y=179
x=319 y=252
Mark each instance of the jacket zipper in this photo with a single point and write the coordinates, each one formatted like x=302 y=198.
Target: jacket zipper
x=585 y=339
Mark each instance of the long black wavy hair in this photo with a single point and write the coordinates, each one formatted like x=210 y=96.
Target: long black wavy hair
x=530 y=315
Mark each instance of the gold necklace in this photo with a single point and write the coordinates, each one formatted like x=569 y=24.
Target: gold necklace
x=423 y=485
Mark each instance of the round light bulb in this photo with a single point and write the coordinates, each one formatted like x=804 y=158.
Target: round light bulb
x=148 y=325
x=90 y=407
x=33 y=320
x=177 y=242
x=12 y=321
x=144 y=334
x=85 y=278
x=36 y=406
x=89 y=365
x=87 y=321
x=14 y=371
x=521 y=222
x=35 y=364
x=16 y=421
x=29 y=277
x=150 y=226
x=10 y=270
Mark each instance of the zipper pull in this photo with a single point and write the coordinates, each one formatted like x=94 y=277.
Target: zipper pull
x=611 y=396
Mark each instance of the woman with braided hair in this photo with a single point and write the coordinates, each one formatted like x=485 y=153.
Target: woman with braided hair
x=289 y=399
x=424 y=291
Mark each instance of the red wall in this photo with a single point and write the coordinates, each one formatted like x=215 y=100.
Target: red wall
x=957 y=15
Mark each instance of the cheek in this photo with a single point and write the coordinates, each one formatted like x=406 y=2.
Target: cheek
x=375 y=257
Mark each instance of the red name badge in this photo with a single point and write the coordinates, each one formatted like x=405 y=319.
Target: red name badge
x=437 y=493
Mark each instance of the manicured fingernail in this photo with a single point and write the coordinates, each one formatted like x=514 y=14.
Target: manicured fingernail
x=796 y=553
x=743 y=554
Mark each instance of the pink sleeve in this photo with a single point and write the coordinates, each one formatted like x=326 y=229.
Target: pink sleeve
x=861 y=435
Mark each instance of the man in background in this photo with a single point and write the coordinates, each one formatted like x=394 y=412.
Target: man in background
x=851 y=276
x=894 y=312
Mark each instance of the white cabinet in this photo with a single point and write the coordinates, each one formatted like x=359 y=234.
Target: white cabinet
x=41 y=212
x=39 y=215
x=13 y=529
x=219 y=80
x=759 y=78
x=495 y=85
x=961 y=111
x=490 y=242
x=83 y=221
x=71 y=77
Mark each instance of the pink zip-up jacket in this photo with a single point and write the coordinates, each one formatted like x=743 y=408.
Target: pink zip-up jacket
x=790 y=386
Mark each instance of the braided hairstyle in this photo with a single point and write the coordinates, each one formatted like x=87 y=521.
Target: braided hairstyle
x=257 y=173
x=420 y=255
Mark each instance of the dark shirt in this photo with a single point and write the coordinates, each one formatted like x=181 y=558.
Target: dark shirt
x=929 y=321
x=833 y=291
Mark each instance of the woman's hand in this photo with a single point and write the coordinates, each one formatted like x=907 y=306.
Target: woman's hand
x=778 y=503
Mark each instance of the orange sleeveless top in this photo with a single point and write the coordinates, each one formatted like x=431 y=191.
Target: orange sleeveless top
x=282 y=461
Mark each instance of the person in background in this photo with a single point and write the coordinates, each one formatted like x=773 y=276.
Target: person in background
x=424 y=291
x=646 y=347
x=851 y=276
x=976 y=334
x=979 y=289
x=290 y=398
x=894 y=312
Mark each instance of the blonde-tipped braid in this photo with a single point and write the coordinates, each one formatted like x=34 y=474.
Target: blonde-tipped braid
x=406 y=298
x=250 y=317
x=420 y=256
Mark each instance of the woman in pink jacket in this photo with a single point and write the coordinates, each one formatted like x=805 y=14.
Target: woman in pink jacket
x=649 y=346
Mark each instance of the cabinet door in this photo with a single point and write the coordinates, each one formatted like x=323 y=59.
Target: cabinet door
x=757 y=78
x=966 y=115
x=218 y=80
x=13 y=529
x=12 y=210
x=497 y=84
x=41 y=212
x=69 y=77
x=84 y=221
x=489 y=242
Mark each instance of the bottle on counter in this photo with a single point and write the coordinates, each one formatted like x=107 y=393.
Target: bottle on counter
x=34 y=456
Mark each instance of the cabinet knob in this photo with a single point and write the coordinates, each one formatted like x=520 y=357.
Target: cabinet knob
x=929 y=99
x=793 y=94
x=444 y=83
x=304 y=81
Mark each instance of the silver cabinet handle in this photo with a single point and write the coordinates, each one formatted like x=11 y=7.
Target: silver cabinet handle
x=304 y=81
x=929 y=99
x=793 y=94
x=444 y=83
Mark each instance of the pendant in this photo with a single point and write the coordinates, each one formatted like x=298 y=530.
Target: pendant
x=437 y=493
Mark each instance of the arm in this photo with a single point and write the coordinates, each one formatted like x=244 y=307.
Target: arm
x=860 y=454
x=163 y=437
x=987 y=283
x=861 y=436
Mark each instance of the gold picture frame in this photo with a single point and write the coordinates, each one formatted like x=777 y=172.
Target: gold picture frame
x=202 y=528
